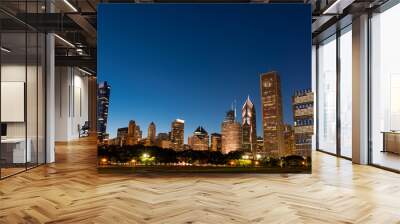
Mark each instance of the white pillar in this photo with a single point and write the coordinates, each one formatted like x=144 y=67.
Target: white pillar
x=360 y=90
x=50 y=99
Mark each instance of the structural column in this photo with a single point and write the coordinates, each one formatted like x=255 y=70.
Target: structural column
x=50 y=98
x=50 y=91
x=360 y=90
x=92 y=89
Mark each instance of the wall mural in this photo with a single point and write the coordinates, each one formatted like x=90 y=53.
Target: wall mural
x=204 y=88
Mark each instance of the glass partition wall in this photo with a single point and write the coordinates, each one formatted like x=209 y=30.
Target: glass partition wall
x=385 y=89
x=22 y=100
x=334 y=94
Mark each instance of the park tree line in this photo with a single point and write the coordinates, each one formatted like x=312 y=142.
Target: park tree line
x=125 y=154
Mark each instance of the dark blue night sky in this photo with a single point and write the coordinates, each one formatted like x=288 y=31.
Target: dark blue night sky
x=193 y=61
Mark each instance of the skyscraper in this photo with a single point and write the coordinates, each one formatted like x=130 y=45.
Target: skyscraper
x=249 y=127
x=103 y=101
x=260 y=144
x=151 y=134
x=132 y=138
x=288 y=133
x=216 y=144
x=122 y=134
x=199 y=140
x=272 y=115
x=303 y=116
x=231 y=131
x=177 y=134
x=138 y=133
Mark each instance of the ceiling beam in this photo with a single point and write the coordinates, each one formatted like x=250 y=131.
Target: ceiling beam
x=77 y=61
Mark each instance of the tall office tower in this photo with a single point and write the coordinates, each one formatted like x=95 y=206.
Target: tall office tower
x=177 y=134
x=151 y=134
x=138 y=133
x=249 y=127
x=260 y=145
x=122 y=134
x=132 y=139
x=246 y=137
x=288 y=133
x=103 y=101
x=199 y=140
x=303 y=116
x=272 y=115
x=231 y=131
x=216 y=143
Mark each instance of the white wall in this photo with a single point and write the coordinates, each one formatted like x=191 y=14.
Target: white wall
x=16 y=73
x=33 y=127
x=12 y=73
x=71 y=103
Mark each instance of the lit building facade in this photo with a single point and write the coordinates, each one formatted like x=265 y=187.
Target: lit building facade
x=151 y=134
x=216 y=143
x=177 y=134
x=231 y=132
x=260 y=144
x=122 y=134
x=199 y=140
x=249 y=127
x=138 y=133
x=288 y=133
x=165 y=144
x=163 y=140
x=132 y=137
x=162 y=136
x=103 y=101
x=272 y=115
x=303 y=116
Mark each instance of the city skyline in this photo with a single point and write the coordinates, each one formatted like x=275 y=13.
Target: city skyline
x=236 y=131
x=195 y=72
x=234 y=106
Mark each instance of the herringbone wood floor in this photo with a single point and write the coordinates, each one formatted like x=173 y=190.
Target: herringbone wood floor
x=71 y=191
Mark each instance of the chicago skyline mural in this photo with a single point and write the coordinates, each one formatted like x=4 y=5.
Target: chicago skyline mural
x=205 y=88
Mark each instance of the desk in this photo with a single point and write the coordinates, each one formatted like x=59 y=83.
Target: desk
x=13 y=150
x=391 y=141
